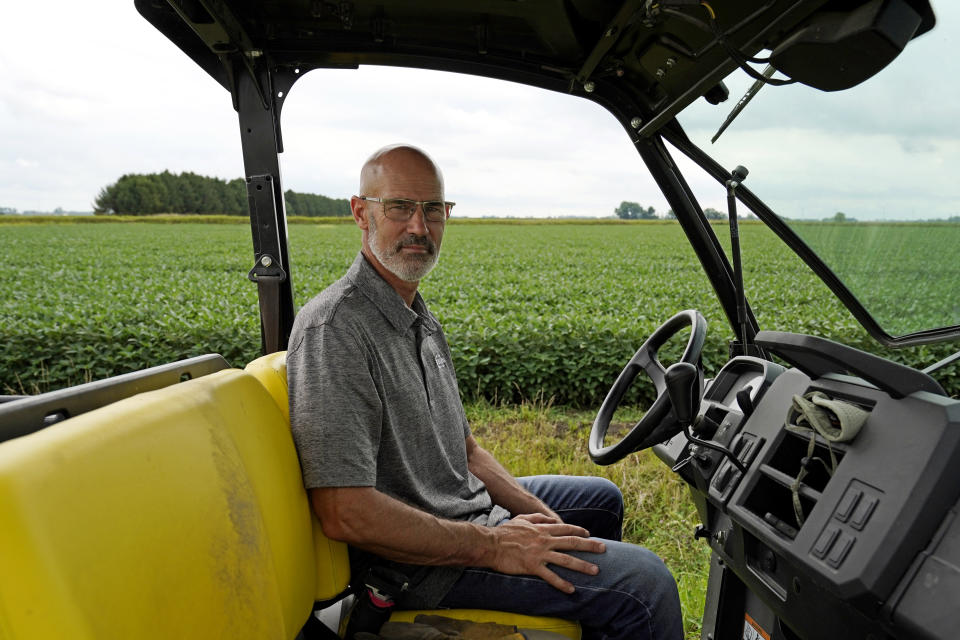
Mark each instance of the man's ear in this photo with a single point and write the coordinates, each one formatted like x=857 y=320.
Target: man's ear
x=359 y=209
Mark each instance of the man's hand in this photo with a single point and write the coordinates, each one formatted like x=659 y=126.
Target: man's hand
x=527 y=543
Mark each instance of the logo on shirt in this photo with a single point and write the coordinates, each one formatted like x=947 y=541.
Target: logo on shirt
x=441 y=363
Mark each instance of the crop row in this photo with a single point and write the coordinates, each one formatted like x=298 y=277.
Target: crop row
x=531 y=312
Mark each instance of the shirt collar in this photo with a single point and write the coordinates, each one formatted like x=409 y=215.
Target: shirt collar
x=386 y=298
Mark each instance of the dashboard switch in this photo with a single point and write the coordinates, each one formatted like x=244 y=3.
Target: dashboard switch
x=840 y=550
x=825 y=541
x=863 y=512
x=723 y=477
x=847 y=504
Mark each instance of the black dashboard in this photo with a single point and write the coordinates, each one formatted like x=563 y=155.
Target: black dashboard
x=821 y=539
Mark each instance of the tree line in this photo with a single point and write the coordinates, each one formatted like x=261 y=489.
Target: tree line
x=144 y=194
x=634 y=211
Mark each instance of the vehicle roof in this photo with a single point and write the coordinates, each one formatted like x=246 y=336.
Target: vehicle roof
x=648 y=55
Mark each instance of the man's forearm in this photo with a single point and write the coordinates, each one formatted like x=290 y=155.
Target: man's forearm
x=373 y=521
x=503 y=488
x=526 y=545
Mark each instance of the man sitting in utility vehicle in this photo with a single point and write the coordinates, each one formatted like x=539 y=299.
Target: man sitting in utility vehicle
x=394 y=471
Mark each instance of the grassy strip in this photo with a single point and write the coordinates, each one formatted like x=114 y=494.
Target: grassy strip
x=180 y=218
x=533 y=439
x=164 y=218
x=161 y=218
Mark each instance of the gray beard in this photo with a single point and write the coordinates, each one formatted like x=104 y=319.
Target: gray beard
x=410 y=268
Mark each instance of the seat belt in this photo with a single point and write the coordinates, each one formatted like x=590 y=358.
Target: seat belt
x=268 y=275
x=268 y=291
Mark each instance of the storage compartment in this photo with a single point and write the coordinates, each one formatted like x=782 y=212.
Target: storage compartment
x=772 y=497
x=789 y=457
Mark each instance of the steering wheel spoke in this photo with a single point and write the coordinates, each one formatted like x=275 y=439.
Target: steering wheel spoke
x=657 y=374
x=659 y=422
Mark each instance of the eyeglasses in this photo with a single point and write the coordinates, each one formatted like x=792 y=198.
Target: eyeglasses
x=401 y=210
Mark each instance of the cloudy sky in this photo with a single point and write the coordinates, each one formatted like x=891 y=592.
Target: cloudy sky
x=90 y=91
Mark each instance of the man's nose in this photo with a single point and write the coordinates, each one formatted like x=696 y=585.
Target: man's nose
x=417 y=224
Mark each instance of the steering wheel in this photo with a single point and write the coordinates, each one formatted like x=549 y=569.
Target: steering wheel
x=659 y=422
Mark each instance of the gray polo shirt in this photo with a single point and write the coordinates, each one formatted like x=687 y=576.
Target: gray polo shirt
x=374 y=403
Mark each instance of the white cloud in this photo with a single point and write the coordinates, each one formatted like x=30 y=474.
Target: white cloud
x=505 y=149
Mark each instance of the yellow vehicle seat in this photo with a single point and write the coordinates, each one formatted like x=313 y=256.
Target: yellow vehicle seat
x=332 y=564
x=177 y=513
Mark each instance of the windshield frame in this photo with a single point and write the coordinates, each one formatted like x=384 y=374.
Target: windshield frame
x=675 y=135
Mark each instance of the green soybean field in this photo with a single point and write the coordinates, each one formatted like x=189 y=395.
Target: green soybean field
x=535 y=312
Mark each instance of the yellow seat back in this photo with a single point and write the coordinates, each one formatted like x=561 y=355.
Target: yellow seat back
x=177 y=513
x=332 y=559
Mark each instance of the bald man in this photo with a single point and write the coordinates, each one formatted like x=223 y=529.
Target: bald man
x=393 y=469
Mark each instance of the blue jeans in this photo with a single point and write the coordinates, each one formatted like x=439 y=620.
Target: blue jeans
x=634 y=597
